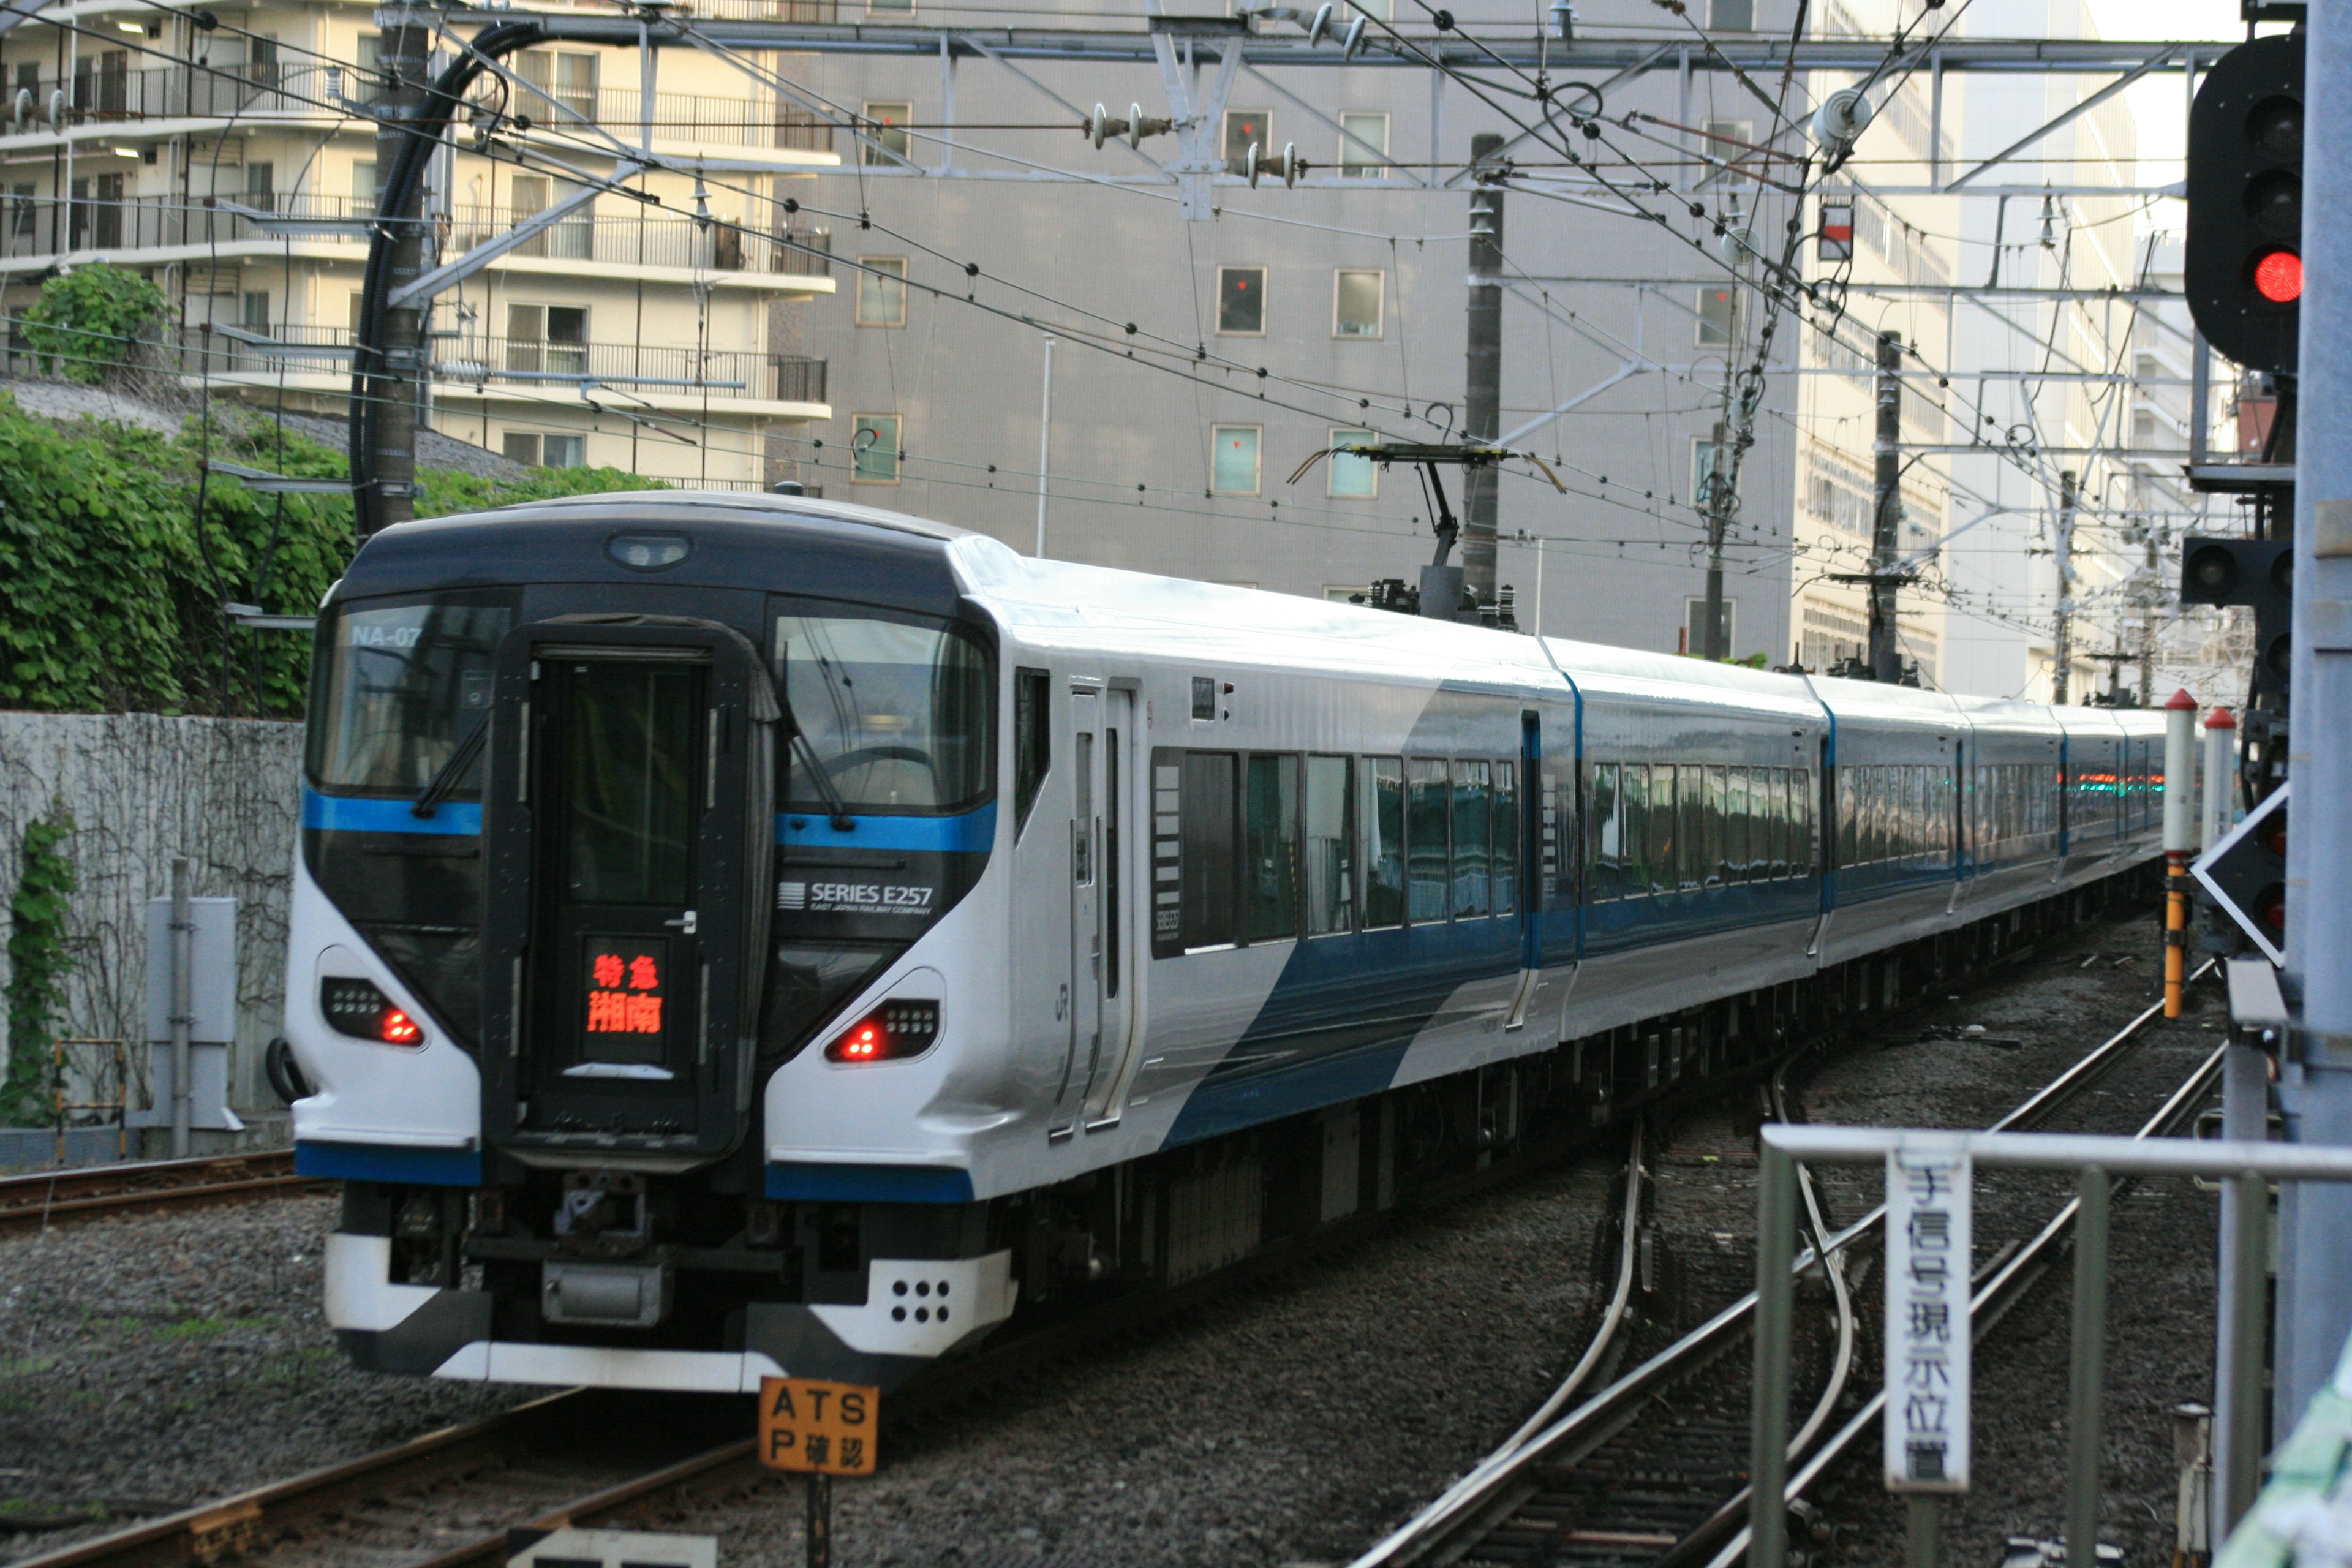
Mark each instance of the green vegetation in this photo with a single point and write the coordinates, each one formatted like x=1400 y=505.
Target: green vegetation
x=37 y=965
x=86 y=322
x=111 y=590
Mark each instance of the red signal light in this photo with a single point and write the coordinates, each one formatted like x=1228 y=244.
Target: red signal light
x=399 y=1028
x=2278 y=276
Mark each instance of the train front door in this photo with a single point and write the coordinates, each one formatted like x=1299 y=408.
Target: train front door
x=628 y=831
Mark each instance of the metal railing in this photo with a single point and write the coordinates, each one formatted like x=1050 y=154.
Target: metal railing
x=34 y=227
x=97 y=96
x=693 y=117
x=483 y=361
x=2096 y=1162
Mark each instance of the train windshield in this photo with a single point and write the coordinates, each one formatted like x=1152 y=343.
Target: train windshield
x=894 y=709
x=400 y=688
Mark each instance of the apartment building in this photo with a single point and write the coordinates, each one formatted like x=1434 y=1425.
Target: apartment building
x=227 y=155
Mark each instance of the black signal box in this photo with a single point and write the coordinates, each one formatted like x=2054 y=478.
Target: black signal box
x=2243 y=264
x=2256 y=572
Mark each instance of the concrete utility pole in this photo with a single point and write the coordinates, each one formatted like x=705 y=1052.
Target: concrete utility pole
x=1045 y=443
x=1712 y=642
x=1481 y=411
x=1885 y=641
x=2063 y=653
x=2314 y=1085
x=183 y=953
x=406 y=56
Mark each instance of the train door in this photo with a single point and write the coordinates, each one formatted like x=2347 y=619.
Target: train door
x=1085 y=946
x=627 y=827
x=1116 y=766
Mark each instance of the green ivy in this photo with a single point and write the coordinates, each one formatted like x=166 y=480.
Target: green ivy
x=86 y=320
x=37 y=965
x=111 y=593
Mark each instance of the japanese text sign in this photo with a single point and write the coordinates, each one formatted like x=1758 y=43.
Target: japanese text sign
x=1927 y=1270
x=818 y=1427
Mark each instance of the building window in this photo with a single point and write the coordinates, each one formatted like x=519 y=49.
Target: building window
x=1352 y=477
x=1363 y=146
x=546 y=340
x=545 y=451
x=261 y=187
x=261 y=59
x=1243 y=126
x=1718 y=317
x=254 y=317
x=894 y=9
x=886 y=134
x=1378 y=10
x=1241 y=301
x=1358 y=303
x=873 y=446
x=1731 y=15
x=1694 y=623
x=364 y=186
x=1234 y=472
x=882 y=292
x=567 y=80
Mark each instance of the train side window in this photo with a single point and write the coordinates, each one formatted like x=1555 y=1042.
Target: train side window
x=1425 y=840
x=1211 y=844
x=1473 y=838
x=1383 y=830
x=1663 y=850
x=1607 y=820
x=1801 y=813
x=1764 y=835
x=1033 y=740
x=1330 y=857
x=1634 y=783
x=1690 y=808
x=1784 y=818
x=1506 y=838
x=1272 y=827
x=1711 y=851
x=1735 y=826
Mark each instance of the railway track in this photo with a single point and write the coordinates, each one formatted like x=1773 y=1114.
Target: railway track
x=1652 y=1471
x=47 y=1198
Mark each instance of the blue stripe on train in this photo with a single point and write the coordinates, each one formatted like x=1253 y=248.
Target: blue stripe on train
x=367 y=814
x=970 y=831
x=811 y=1183
x=386 y=1163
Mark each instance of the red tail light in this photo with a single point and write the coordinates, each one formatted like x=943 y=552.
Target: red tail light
x=892 y=1032
x=355 y=1007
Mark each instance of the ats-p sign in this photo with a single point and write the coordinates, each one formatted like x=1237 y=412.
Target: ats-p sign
x=817 y=1427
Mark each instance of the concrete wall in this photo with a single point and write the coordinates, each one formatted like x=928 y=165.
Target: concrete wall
x=141 y=789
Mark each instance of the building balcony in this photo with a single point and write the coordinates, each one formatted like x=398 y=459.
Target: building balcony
x=38 y=232
x=488 y=370
x=98 y=103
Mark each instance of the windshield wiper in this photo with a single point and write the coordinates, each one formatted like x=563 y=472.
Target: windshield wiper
x=445 y=777
x=842 y=821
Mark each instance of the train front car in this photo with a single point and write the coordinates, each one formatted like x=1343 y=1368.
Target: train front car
x=570 y=892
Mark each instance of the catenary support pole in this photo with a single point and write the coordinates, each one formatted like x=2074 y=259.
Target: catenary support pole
x=2180 y=815
x=1768 y=1438
x=2062 y=652
x=404 y=58
x=2314 y=1292
x=1482 y=402
x=1712 y=642
x=1886 y=639
x=183 y=955
x=1045 y=444
x=2089 y=1370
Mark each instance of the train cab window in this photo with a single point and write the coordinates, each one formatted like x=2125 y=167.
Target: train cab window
x=1271 y=824
x=1425 y=840
x=1505 y=864
x=401 y=688
x=894 y=709
x=1606 y=822
x=1473 y=838
x=1383 y=831
x=1330 y=846
x=1033 y=740
x=1211 y=844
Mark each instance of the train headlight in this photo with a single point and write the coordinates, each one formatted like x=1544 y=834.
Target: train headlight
x=357 y=1008
x=892 y=1032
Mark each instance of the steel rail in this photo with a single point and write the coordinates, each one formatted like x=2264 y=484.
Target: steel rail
x=44 y=1198
x=1442 y=1520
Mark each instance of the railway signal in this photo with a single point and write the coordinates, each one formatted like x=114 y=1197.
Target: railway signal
x=2244 y=261
x=2255 y=573
x=2246 y=875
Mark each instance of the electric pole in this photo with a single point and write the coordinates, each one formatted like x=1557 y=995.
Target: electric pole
x=1886 y=644
x=2062 y=654
x=390 y=414
x=1713 y=644
x=1482 y=400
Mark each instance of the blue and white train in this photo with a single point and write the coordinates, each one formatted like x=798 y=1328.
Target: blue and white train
x=736 y=935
